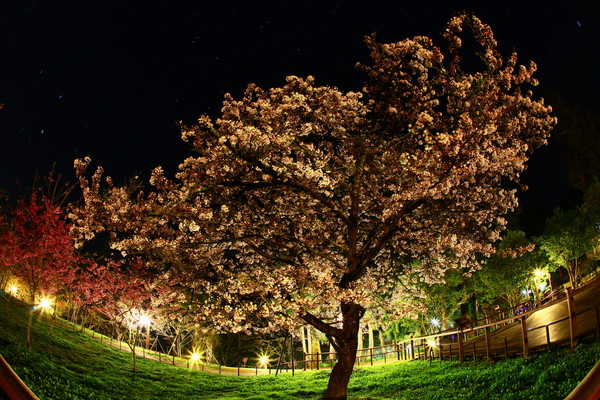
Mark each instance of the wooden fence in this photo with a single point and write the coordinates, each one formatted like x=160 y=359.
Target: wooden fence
x=560 y=318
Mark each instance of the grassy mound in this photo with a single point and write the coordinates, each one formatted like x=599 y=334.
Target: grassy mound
x=70 y=365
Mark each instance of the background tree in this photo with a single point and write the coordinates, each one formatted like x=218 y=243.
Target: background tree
x=591 y=205
x=567 y=237
x=508 y=271
x=307 y=203
x=442 y=301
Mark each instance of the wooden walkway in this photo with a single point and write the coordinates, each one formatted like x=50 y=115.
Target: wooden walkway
x=537 y=329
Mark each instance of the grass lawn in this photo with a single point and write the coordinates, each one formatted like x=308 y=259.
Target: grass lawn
x=70 y=365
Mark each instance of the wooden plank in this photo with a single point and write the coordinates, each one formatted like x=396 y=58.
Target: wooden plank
x=572 y=317
x=524 y=337
x=12 y=385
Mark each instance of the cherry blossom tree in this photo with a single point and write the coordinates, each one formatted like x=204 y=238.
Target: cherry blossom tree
x=306 y=204
x=38 y=249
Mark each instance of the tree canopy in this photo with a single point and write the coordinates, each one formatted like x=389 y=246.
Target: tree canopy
x=305 y=203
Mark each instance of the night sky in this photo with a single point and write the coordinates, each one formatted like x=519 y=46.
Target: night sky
x=111 y=79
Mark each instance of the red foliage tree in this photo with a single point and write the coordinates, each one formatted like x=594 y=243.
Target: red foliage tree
x=38 y=250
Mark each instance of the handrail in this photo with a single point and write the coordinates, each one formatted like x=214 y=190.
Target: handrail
x=514 y=318
x=588 y=388
x=12 y=385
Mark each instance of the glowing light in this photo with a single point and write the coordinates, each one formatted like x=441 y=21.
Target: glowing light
x=435 y=322
x=13 y=290
x=432 y=343
x=542 y=287
x=263 y=360
x=45 y=303
x=525 y=292
x=144 y=320
x=538 y=273
x=195 y=357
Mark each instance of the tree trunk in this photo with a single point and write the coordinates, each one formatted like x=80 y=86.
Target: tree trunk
x=445 y=321
x=573 y=271
x=30 y=320
x=346 y=345
x=303 y=338
x=53 y=316
x=311 y=348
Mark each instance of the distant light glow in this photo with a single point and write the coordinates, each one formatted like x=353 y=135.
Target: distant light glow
x=195 y=357
x=542 y=287
x=263 y=360
x=525 y=292
x=538 y=273
x=45 y=303
x=435 y=322
x=13 y=290
x=432 y=343
x=144 y=320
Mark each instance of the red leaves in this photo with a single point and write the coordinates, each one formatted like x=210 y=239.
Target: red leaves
x=37 y=247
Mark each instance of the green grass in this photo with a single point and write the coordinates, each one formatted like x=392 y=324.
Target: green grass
x=70 y=365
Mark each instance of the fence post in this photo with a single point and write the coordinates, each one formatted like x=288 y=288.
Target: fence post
x=398 y=351
x=547 y=337
x=461 y=348
x=488 y=343
x=505 y=348
x=572 y=317
x=371 y=355
x=317 y=361
x=450 y=351
x=524 y=337
x=292 y=351
x=412 y=348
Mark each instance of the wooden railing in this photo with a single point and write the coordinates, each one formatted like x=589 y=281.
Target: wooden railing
x=12 y=385
x=481 y=341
